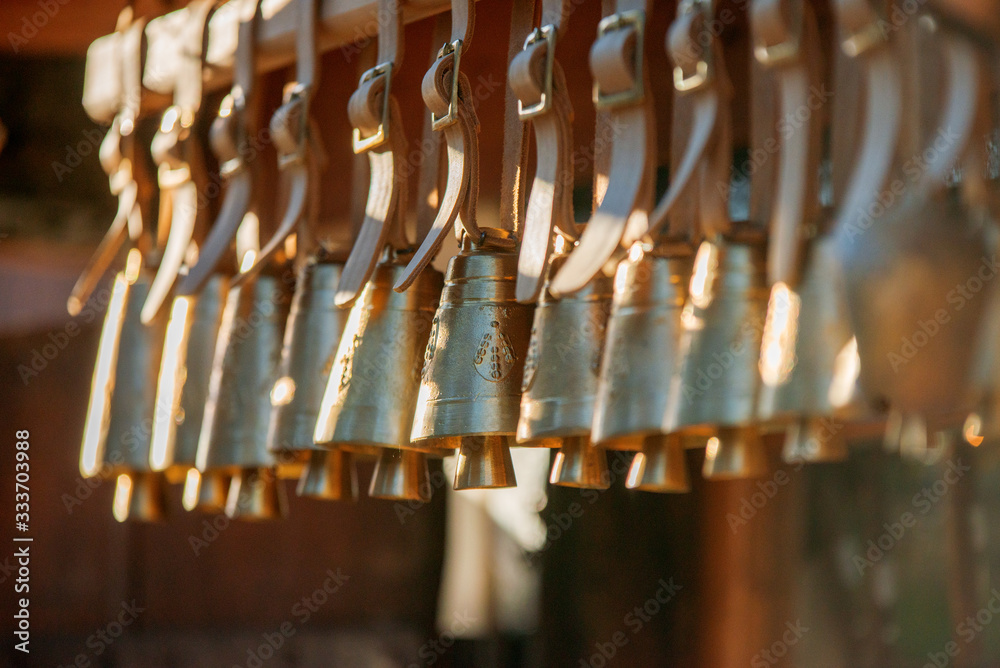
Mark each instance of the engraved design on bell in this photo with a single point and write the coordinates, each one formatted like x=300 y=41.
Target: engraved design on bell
x=530 y=361
x=431 y=345
x=495 y=355
x=348 y=363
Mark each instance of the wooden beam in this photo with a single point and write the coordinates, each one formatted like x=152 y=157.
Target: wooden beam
x=343 y=22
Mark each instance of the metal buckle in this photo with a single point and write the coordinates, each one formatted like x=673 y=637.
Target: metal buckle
x=684 y=83
x=452 y=116
x=381 y=135
x=297 y=102
x=772 y=55
x=548 y=34
x=864 y=39
x=633 y=18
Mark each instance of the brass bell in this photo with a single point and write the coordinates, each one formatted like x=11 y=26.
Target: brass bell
x=372 y=389
x=641 y=350
x=471 y=381
x=736 y=452
x=331 y=475
x=235 y=425
x=205 y=492
x=659 y=466
x=718 y=385
x=564 y=356
x=484 y=462
x=805 y=332
x=579 y=463
x=401 y=474
x=313 y=331
x=256 y=494
x=140 y=495
x=182 y=385
x=122 y=401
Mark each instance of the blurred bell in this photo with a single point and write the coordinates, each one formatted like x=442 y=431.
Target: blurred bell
x=256 y=494
x=140 y=496
x=313 y=331
x=564 y=355
x=330 y=475
x=182 y=385
x=641 y=351
x=813 y=439
x=205 y=492
x=473 y=364
x=372 y=390
x=723 y=322
x=122 y=401
x=402 y=475
x=736 y=452
x=805 y=333
x=484 y=462
x=659 y=466
x=579 y=463
x=235 y=425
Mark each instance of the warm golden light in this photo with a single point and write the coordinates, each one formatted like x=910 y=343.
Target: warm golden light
x=846 y=369
x=283 y=391
x=973 y=429
x=133 y=263
x=340 y=374
x=777 y=350
x=192 y=486
x=247 y=262
x=712 y=448
x=95 y=429
x=706 y=265
x=169 y=384
x=123 y=496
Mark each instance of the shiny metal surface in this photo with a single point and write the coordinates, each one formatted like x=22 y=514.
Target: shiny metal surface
x=736 y=452
x=659 y=466
x=371 y=392
x=484 y=462
x=312 y=334
x=256 y=494
x=235 y=426
x=401 y=474
x=579 y=463
x=331 y=475
x=640 y=354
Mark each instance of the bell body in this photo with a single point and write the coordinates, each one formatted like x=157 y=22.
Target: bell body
x=330 y=475
x=401 y=475
x=315 y=324
x=235 y=426
x=372 y=390
x=918 y=282
x=182 y=387
x=722 y=326
x=821 y=330
x=640 y=355
x=473 y=364
x=123 y=393
x=561 y=370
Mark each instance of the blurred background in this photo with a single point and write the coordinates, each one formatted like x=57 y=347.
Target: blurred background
x=815 y=566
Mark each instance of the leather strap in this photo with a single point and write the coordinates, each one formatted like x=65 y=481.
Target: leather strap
x=378 y=131
x=538 y=81
x=230 y=138
x=117 y=155
x=448 y=95
x=704 y=92
x=865 y=42
x=433 y=170
x=180 y=162
x=617 y=62
x=786 y=41
x=296 y=143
